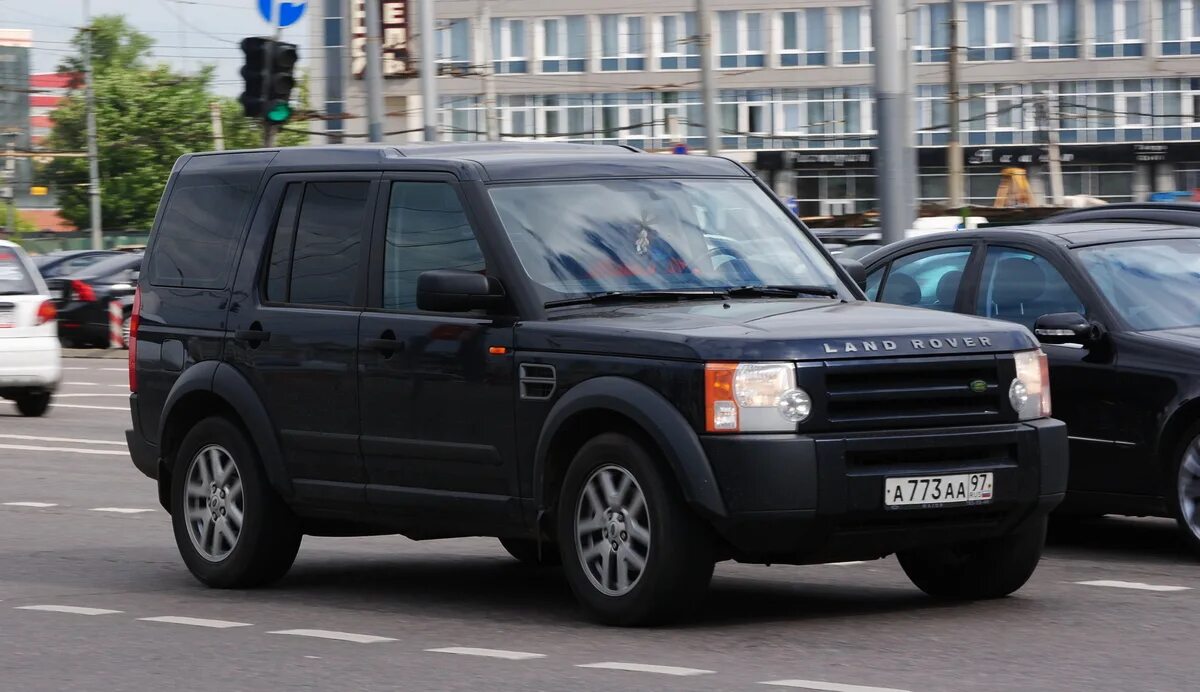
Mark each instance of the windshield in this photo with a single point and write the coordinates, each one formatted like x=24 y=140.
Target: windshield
x=1152 y=284
x=600 y=236
x=14 y=277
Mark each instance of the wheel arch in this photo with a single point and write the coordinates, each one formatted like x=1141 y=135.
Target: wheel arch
x=1184 y=419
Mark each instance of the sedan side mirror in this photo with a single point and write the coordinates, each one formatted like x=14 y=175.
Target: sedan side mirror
x=456 y=290
x=1066 y=328
x=855 y=269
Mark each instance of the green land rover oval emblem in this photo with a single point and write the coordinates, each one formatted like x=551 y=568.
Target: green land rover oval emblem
x=978 y=386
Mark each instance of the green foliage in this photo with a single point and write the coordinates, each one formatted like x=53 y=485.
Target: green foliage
x=115 y=45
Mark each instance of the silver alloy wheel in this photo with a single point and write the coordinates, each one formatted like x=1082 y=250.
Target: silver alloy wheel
x=612 y=530
x=1188 y=486
x=214 y=504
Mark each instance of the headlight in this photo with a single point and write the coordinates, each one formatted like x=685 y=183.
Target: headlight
x=753 y=397
x=1029 y=393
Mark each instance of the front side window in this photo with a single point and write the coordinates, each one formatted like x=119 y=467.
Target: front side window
x=595 y=236
x=927 y=279
x=1021 y=286
x=1151 y=284
x=427 y=229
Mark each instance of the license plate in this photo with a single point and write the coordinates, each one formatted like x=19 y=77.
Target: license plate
x=928 y=491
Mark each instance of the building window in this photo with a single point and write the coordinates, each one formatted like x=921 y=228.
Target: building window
x=1181 y=27
x=989 y=31
x=931 y=37
x=856 y=36
x=462 y=118
x=679 y=49
x=564 y=44
x=622 y=43
x=740 y=39
x=1055 y=30
x=508 y=46
x=802 y=39
x=1118 y=29
x=454 y=46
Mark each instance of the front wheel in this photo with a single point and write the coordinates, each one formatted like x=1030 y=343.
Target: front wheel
x=977 y=570
x=1185 y=496
x=231 y=528
x=33 y=404
x=633 y=551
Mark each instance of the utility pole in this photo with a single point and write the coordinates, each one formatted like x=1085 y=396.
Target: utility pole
x=374 y=72
x=1049 y=116
x=214 y=109
x=490 y=114
x=92 y=147
x=911 y=166
x=712 y=122
x=429 y=90
x=954 y=154
x=9 y=191
x=891 y=100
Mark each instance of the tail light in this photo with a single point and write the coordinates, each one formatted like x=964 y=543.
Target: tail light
x=46 y=313
x=135 y=319
x=82 y=291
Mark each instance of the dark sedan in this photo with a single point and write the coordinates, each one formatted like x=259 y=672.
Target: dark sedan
x=1117 y=309
x=67 y=262
x=84 y=299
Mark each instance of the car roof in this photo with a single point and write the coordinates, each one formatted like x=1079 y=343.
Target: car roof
x=502 y=161
x=1181 y=213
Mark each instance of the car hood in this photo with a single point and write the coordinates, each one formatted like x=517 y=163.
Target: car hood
x=1187 y=337
x=769 y=330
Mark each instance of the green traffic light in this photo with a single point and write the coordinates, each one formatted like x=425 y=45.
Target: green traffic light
x=279 y=113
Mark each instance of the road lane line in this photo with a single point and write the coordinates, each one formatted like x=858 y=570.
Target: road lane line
x=196 y=622
x=487 y=653
x=35 y=505
x=646 y=668
x=120 y=510
x=114 y=369
x=94 y=408
x=73 y=610
x=34 y=438
x=1133 y=585
x=90 y=395
x=828 y=686
x=845 y=564
x=73 y=450
x=338 y=636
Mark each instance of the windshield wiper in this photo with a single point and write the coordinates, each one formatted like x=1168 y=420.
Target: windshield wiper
x=621 y=296
x=781 y=291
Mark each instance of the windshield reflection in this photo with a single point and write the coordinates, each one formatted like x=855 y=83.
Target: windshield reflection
x=1152 y=284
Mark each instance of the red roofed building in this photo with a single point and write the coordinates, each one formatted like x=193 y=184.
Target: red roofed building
x=49 y=90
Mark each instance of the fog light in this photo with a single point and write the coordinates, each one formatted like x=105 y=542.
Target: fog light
x=795 y=405
x=1018 y=396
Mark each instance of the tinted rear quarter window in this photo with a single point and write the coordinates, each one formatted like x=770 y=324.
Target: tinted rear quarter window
x=14 y=277
x=201 y=226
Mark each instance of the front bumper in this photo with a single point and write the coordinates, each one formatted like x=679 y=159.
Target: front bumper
x=794 y=498
x=33 y=362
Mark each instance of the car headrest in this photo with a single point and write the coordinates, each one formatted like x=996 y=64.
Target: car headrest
x=947 y=288
x=1018 y=280
x=902 y=289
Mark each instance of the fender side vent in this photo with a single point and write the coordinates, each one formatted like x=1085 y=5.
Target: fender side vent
x=537 y=381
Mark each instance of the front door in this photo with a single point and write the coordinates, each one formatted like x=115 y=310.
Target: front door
x=437 y=389
x=298 y=342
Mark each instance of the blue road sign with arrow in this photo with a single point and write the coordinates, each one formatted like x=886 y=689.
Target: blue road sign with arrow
x=282 y=13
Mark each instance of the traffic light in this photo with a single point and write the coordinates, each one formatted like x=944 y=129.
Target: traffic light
x=280 y=82
x=254 y=72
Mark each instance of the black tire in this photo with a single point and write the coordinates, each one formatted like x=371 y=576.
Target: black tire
x=990 y=568
x=678 y=564
x=33 y=404
x=1188 y=520
x=525 y=550
x=269 y=538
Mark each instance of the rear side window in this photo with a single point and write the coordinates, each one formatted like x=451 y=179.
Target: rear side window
x=202 y=223
x=14 y=277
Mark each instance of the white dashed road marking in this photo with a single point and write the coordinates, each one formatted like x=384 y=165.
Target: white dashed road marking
x=1133 y=585
x=845 y=564
x=196 y=622
x=35 y=505
x=114 y=369
x=73 y=610
x=93 y=384
x=72 y=450
x=339 y=636
x=646 y=668
x=120 y=510
x=90 y=396
x=828 y=686
x=94 y=408
x=487 y=653
x=35 y=438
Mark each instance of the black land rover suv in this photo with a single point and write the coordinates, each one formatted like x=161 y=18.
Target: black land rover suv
x=637 y=365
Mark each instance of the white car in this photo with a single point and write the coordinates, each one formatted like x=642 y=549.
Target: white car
x=30 y=354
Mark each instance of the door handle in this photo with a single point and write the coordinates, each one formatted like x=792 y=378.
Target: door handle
x=253 y=336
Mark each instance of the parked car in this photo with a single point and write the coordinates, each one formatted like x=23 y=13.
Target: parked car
x=62 y=263
x=1175 y=213
x=30 y=355
x=637 y=365
x=1117 y=309
x=84 y=299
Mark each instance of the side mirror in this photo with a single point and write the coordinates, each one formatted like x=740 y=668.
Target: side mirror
x=1065 y=328
x=456 y=290
x=855 y=269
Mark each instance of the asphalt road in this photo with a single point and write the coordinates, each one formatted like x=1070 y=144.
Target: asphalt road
x=93 y=596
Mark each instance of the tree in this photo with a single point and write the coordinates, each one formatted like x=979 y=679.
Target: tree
x=115 y=45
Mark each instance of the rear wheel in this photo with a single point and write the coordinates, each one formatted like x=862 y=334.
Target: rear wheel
x=990 y=568
x=33 y=404
x=633 y=551
x=231 y=529
x=526 y=550
x=1185 y=496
